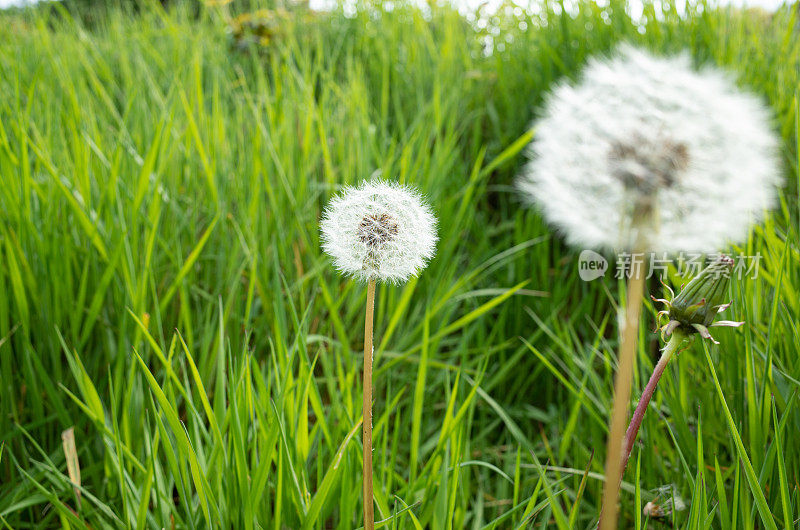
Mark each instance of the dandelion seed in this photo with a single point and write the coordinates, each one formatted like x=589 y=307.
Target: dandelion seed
x=656 y=510
x=379 y=231
x=642 y=135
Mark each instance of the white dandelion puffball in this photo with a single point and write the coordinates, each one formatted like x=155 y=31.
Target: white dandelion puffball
x=379 y=231
x=643 y=136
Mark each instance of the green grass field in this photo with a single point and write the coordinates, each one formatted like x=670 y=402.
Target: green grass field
x=163 y=291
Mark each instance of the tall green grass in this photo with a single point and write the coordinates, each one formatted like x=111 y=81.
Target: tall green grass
x=162 y=289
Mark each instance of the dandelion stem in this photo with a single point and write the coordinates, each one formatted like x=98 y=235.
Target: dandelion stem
x=636 y=421
x=622 y=393
x=369 y=514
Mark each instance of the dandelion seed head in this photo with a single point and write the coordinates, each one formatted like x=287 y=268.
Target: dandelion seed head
x=379 y=231
x=643 y=134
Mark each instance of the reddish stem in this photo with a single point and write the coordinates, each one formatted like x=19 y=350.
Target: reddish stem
x=647 y=394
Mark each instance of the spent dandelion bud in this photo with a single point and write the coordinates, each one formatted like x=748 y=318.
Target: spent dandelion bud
x=379 y=231
x=648 y=151
x=696 y=307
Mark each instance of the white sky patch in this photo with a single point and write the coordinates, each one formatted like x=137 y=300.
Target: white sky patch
x=491 y=5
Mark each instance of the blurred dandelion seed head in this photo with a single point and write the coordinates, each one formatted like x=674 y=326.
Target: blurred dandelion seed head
x=379 y=231
x=643 y=133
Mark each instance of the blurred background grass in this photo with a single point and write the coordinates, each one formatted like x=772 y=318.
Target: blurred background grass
x=163 y=292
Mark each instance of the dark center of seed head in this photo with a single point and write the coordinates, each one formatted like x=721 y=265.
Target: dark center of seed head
x=648 y=165
x=377 y=229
